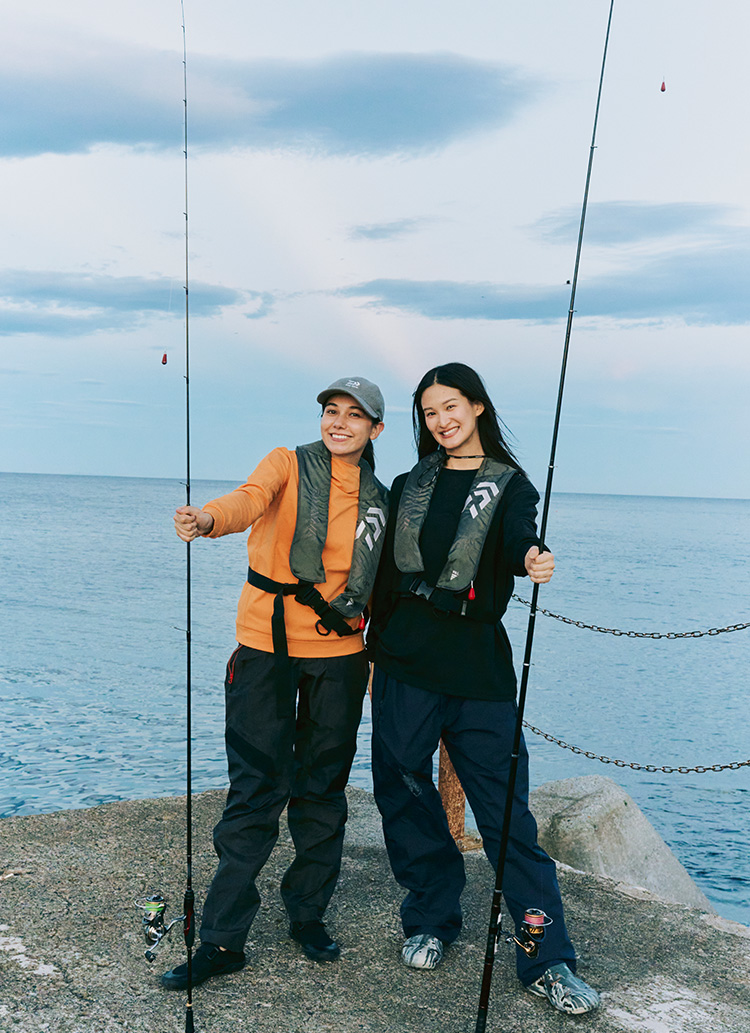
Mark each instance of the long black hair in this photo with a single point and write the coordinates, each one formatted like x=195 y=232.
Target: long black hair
x=470 y=384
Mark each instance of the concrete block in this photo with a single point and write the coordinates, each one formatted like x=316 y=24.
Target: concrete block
x=591 y=824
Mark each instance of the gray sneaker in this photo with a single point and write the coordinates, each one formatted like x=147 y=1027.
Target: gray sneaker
x=422 y=951
x=565 y=991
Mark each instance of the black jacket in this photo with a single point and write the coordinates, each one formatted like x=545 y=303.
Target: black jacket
x=444 y=652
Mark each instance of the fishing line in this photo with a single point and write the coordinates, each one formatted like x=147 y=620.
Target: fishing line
x=495 y=929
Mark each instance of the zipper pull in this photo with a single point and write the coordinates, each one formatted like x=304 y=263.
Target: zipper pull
x=472 y=593
x=362 y=623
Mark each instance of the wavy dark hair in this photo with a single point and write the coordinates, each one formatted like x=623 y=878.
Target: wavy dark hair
x=470 y=384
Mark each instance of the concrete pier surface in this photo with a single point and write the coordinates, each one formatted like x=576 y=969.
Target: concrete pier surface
x=72 y=951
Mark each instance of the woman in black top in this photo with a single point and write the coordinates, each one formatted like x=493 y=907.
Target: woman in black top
x=462 y=526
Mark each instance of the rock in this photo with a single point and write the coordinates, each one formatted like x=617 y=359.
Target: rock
x=591 y=824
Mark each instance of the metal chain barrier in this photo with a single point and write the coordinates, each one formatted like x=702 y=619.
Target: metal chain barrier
x=699 y=769
x=634 y=634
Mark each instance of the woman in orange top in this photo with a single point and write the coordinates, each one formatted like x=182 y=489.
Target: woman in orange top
x=295 y=683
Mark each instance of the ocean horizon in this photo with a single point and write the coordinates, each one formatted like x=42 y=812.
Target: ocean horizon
x=232 y=484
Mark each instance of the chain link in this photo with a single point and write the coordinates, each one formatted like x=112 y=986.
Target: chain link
x=699 y=769
x=633 y=634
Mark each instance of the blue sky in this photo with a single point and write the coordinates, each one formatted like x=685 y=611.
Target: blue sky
x=374 y=189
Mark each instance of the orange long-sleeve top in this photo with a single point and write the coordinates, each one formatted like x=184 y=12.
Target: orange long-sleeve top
x=267 y=503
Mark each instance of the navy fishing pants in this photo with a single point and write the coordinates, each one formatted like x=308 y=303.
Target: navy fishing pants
x=407 y=725
x=302 y=759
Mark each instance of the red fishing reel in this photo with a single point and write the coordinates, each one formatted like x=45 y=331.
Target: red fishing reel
x=532 y=931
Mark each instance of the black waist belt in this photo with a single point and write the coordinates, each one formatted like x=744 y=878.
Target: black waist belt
x=444 y=601
x=328 y=620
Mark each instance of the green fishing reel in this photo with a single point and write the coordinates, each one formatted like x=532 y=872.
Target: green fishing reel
x=154 y=926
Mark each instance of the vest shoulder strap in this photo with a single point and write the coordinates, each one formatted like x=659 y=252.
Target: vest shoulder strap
x=473 y=526
x=368 y=543
x=311 y=529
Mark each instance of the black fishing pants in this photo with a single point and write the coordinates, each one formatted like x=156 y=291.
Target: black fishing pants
x=408 y=723
x=302 y=759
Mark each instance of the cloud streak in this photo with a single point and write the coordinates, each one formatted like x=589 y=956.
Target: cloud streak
x=612 y=223
x=365 y=104
x=700 y=287
x=67 y=304
x=388 y=230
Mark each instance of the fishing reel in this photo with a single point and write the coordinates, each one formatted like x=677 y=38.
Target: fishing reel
x=532 y=931
x=154 y=927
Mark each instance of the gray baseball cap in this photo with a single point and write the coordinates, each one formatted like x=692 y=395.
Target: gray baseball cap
x=363 y=391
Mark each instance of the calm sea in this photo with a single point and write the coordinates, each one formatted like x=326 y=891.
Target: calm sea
x=92 y=655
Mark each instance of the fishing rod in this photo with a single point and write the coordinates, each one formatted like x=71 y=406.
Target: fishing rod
x=532 y=928
x=154 y=906
x=188 y=905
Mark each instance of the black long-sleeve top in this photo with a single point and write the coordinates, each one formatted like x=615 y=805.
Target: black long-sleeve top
x=445 y=652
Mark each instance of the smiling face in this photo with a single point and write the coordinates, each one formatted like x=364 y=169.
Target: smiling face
x=345 y=428
x=452 y=419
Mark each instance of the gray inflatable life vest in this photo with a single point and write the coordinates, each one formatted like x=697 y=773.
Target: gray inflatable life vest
x=461 y=566
x=306 y=554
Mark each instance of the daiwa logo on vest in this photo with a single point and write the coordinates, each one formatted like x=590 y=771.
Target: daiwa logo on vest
x=482 y=495
x=376 y=519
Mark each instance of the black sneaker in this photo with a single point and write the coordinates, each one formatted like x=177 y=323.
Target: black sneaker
x=209 y=960
x=314 y=940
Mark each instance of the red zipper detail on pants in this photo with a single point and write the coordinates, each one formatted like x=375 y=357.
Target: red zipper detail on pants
x=230 y=664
